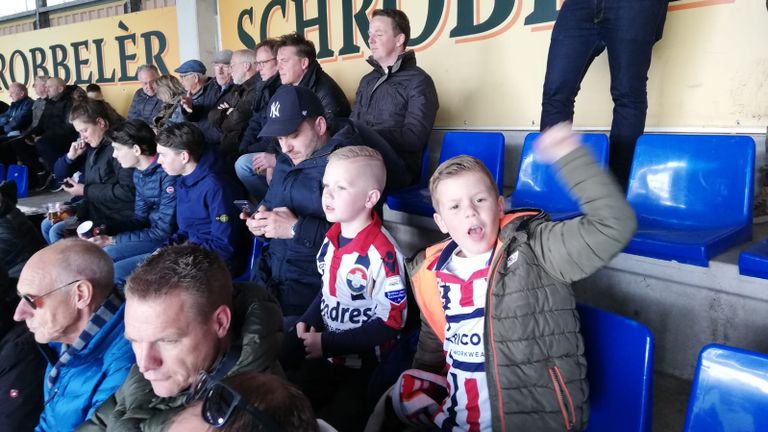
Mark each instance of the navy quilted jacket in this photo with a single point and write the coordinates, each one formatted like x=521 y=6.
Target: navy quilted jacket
x=154 y=209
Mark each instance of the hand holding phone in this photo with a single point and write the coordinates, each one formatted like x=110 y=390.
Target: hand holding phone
x=246 y=207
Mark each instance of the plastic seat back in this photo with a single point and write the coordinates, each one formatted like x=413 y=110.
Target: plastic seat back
x=488 y=147
x=697 y=181
x=485 y=146
x=619 y=354
x=255 y=252
x=730 y=391
x=20 y=175
x=2 y=173
x=537 y=185
x=754 y=260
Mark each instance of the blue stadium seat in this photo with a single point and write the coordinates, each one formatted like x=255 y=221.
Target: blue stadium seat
x=692 y=195
x=730 y=391
x=754 y=260
x=2 y=173
x=255 y=252
x=486 y=146
x=20 y=175
x=537 y=185
x=619 y=355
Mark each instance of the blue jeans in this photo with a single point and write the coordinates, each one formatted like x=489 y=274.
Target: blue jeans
x=128 y=249
x=255 y=184
x=125 y=267
x=628 y=29
x=53 y=232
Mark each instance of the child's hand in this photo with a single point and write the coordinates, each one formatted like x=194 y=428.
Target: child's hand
x=313 y=345
x=556 y=142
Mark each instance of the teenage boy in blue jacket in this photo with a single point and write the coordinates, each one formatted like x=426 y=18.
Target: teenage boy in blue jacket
x=205 y=212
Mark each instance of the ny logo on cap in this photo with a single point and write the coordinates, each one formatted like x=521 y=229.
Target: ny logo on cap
x=274 y=110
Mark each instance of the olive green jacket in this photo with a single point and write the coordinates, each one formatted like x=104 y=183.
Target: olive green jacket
x=534 y=353
x=257 y=324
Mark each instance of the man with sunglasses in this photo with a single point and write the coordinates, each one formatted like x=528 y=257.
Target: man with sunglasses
x=250 y=401
x=69 y=302
x=183 y=316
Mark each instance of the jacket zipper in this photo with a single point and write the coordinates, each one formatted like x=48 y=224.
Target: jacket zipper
x=563 y=398
x=488 y=311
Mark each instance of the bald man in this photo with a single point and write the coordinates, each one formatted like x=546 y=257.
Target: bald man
x=69 y=302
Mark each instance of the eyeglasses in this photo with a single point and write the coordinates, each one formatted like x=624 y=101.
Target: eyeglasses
x=34 y=302
x=220 y=401
x=263 y=62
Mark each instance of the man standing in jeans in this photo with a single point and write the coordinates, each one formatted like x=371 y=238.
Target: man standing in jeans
x=628 y=29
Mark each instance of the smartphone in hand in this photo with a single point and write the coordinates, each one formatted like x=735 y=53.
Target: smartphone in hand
x=246 y=207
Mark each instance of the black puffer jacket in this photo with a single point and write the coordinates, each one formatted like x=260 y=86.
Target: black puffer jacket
x=330 y=94
x=54 y=125
x=109 y=192
x=19 y=239
x=232 y=124
x=400 y=105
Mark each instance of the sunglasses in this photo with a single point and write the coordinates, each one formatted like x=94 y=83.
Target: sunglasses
x=220 y=401
x=36 y=302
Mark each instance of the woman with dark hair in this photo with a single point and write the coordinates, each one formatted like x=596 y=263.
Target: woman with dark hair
x=154 y=219
x=106 y=189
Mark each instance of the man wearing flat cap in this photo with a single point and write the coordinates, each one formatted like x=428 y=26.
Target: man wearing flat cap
x=203 y=93
x=291 y=215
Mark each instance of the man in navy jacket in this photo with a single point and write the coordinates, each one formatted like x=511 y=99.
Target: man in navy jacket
x=19 y=115
x=291 y=215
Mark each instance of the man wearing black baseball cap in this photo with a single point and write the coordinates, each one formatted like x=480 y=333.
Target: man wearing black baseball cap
x=291 y=215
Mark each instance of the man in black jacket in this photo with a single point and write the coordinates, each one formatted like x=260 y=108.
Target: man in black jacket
x=51 y=137
x=19 y=239
x=259 y=153
x=397 y=99
x=297 y=65
x=237 y=106
x=21 y=366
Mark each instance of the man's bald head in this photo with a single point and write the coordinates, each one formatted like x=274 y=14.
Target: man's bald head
x=73 y=259
x=55 y=86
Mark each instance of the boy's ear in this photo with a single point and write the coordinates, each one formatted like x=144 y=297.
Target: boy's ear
x=373 y=197
x=501 y=204
x=440 y=223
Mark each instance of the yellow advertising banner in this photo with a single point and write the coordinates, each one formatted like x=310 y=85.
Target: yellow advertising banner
x=488 y=57
x=106 y=52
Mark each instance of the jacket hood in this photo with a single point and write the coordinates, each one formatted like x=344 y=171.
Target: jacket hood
x=204 y=167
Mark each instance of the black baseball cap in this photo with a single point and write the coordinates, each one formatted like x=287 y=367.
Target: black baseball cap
x=290 y=106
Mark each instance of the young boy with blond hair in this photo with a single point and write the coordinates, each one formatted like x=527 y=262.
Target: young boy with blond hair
x=498 y=311
x=362 y=305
